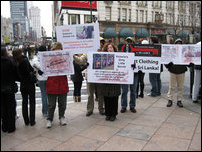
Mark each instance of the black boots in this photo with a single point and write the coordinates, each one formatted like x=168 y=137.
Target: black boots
x=170 y=103
x=179 y=103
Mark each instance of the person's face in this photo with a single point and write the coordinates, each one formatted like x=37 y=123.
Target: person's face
x=110 y=48
x=178 y=43
x=7 y=53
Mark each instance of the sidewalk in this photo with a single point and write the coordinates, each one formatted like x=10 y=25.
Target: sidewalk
x=154 y=127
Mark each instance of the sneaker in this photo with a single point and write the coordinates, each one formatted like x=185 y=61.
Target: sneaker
x=179 y=103
x=195 y=101
x=150 y=94
x=170 y=102
x=63 y=121
x=49 y=124
x=123 y=110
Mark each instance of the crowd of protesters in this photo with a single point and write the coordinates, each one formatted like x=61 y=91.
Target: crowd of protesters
x=26 y=70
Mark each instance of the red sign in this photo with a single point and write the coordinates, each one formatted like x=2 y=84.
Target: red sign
x=158 y=31
x=79 y=4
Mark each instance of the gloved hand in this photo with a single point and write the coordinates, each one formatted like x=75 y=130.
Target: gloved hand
x=191 y=64
x=40 y=72
x=133 y=66
x=170 y=64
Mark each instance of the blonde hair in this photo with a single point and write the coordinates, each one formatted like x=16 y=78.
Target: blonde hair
x=56 y=46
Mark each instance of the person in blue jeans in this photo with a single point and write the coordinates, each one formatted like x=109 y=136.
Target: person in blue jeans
x=155 y=78
x=124 y=97
x=133 y=87
x=41 y=82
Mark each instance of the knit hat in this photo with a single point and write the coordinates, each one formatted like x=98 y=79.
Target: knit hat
x=129 y=38
x=178 y=40
x=145 y=42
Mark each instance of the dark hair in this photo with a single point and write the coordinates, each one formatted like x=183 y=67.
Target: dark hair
x=154 y=39
x=3 y=51
x=42 y=48
x=17 y=55
x=106 y=46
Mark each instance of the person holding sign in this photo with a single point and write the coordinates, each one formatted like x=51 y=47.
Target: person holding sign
x=77 y=79
x=91 y=87
x=155 y=78
x=133 y=87
x=177 y=74
x=57 y=88
x=111 y=92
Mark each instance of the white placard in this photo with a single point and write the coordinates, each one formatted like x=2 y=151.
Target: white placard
x=181 y=54
x=148 y=64
x=81 y=38
x=56 y=63
x=110 y=67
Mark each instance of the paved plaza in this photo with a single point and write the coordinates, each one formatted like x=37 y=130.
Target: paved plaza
x=153 y=127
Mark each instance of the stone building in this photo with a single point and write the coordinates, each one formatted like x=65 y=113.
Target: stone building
x=138 y=19
x=142 y=19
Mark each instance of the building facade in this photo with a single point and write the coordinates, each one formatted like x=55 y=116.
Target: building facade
x=35 y=21
x=139 y=19
x=164 y=19
x=20 y=21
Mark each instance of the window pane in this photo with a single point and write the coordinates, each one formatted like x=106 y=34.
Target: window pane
x=108 y=13
x=124 y=14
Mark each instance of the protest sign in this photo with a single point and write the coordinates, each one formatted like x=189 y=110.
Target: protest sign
x=80 y=38
x=112 y=68
x=141 y=49
x=55 y=63
x=148 y=64
x=181 y=54
x=147 y=57
x=191 y=53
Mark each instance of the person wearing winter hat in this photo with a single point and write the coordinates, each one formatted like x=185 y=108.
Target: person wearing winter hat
x=177 y=74
x=129 y=40
x=141 y=78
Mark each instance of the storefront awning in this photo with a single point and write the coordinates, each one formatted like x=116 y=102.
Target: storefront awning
x=182 y=34
x=125 y=32
x=142 y=33
x=171 y=32
x=109 y=33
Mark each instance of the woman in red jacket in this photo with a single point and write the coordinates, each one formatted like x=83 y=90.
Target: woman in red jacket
x=57 y=88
